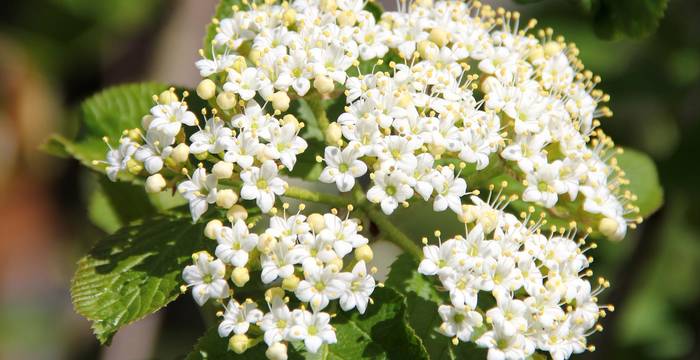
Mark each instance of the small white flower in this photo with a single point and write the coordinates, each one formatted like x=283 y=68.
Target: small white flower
x=320 y=284
x=361 y=286
x=207 y=278
x=156 y=149
x=238 y=317
x=343 y=166
x=280 y=262
x=235 y=243
x=313 y=328
x=117 y=159
x=168 y=118
x=262 y=184
x=389 y=190
x=459 y=322
x=285 y=145
x=277 y=323
x=200 y=191
x=215 y=138
x=450 y=189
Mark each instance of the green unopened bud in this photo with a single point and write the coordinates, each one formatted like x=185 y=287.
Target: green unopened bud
x=275 y=292
x=202 y=156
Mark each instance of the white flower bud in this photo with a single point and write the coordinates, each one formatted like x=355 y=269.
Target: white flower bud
x=439 y=36
x=206 y=89
x=274 y=292
x=240 y=276
x=290 y=119
x=280 y=101
x=180 y=153
x=333 y=133
x=266 y=242
x=222 y=169
x=226 y=100
x=290 y=283
x=316 y=222
x=226 y=198
x=365 y=253
x=134 y=166
x=323 y=84
x=146 y=121
x=238 y=343
x=347 y=18
x=166 y=97
x=276 y=351
x=336 y=264
x=289 y=16
x=609 y=228
x=236 y=212
x=155 y=183
x=212 y=229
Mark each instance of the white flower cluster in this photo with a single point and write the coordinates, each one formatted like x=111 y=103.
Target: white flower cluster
x=543 y=300
x=306 y=256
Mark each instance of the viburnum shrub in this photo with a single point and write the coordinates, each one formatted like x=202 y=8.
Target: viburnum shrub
x=322 y=126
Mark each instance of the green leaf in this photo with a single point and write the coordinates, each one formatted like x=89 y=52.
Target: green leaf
x=134 y=272
x=115 y=204
x=213 y=347
x=644 y=180
x=404 y=278
x=631 y=18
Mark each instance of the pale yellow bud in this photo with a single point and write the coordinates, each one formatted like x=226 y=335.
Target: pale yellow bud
x=328 y=5
x=280 y=101
x=290 y=119
x=276 y=351
x=238 y=343
x=336 y=264
x=427 y=49
x=134 y=167
x=135 y=135
x=347 y=18
x=180 y=153
x=316 y=222
x=608 y=227
x=206 y=89
x=275 y=292
x=323 y=84
x=240 y=276
x=289 y=16
x=266 y=242
x=333 y=133
x=155 y=183
x=226 y=100
x=166 y=97
x=290 y=283
x=468 y=214
x=254 y=55
x=237 y=212
x=439 y=36
x=552 y=48
x=226 y=198
x=212 y=229
x=202 y=156
x=365 y=253
x=146 y=121
x=222 y=169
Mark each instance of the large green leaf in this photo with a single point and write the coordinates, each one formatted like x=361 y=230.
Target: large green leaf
x=644 y=180
x=134 y=272
x=631 y=18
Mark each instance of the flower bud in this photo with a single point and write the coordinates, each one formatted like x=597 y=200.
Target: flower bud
x=166 y=97
x=316 y=222
x=266 y=242
x=552 y=48
x=202 y=156
x=222 y=169
x=333 y=133
x=276 y=351
x=134 y=166
x=212 y=229
x=236 y=212
x=280 y=101
x=226 y=198
x=290 y=283
x=226 y=100
x=347 y=18
x=289 y=16
x=146 y=121
x=323 y=84
x=155 y=183
x=336 y=264
x=364 y=253
x=238 y=343
x=180 y=153
x=608 y=227
x=274 y=292
x=135 y=135
x=206 y=89
x=328 y=5
x=439 y=36
x=240 y=276
x=290 y=119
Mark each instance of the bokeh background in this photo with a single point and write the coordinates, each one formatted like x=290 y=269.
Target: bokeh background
x=54 y=53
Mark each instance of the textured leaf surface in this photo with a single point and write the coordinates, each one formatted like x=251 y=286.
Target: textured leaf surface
x=134 y=272
x=644 y=180
x=632 y=18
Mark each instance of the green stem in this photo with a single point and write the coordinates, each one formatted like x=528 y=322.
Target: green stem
x=316 y=105
x=317 y=197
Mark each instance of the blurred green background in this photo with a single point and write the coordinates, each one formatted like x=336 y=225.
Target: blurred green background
x=53 y=53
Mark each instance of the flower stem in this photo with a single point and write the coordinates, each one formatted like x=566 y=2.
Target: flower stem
x=316 y=105
x=317 y=197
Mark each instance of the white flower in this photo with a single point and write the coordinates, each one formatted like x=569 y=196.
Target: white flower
x=357 y=294
x=544 y=184
x=200 y=191
x=245 y=83
x=389 y=190
x=459 y=322
x=214 y=138
x=449 y=189
x=235 y=243
x=320 y=284
x=277 y=323
x=238 y=317
x=219 y=63
x=156 y=149
x=313 y=328
x=168 y=118
x=510 y=315
x=207 y=278
x=262 y=184
x=243 y=150
x=285 y=145
x=343 y=166
x=280 y=262
x=117 y=159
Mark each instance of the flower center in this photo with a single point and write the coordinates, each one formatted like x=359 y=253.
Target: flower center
x=391 y=190
x=261 y=184
x=343 y=167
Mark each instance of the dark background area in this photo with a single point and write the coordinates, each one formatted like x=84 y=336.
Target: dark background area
x=54 y=53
